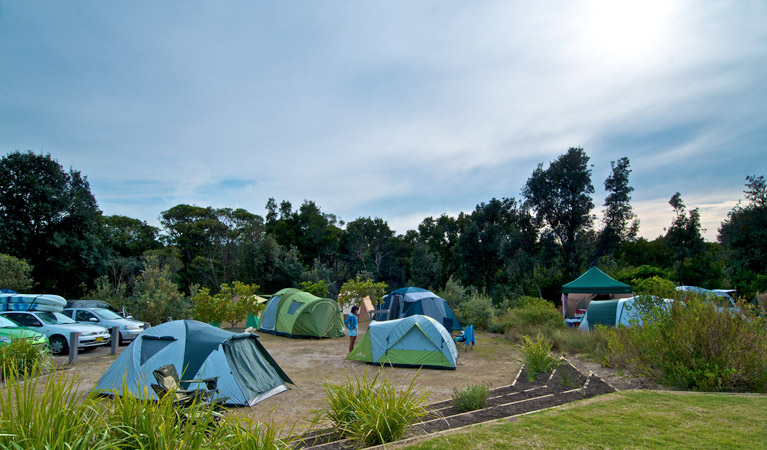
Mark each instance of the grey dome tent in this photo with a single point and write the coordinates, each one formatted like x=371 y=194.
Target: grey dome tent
x=247 y=373
x=410 y=301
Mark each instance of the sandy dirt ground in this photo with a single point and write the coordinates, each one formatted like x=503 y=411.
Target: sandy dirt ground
x=310 y=363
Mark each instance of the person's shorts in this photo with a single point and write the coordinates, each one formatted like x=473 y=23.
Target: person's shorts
x=352 y=333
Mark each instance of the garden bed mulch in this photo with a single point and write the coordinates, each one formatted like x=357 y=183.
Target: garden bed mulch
x=564 y=385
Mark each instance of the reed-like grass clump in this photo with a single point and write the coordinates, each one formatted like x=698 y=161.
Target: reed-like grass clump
x=374 y=411
x=536 y=355
x=21 y=356
x=47 y=411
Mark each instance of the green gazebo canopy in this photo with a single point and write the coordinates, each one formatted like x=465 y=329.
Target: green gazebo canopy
x=594 y=281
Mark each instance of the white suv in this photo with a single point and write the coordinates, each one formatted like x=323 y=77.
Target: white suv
x=57 y=328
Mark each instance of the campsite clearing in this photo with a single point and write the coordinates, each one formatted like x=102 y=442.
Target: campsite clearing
x=311 y=362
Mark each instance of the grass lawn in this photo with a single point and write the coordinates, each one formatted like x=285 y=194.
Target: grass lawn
x=627 y=420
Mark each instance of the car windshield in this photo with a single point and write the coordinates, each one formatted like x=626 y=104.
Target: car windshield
x=105 y=314
x=7 y=323
x=54 y=318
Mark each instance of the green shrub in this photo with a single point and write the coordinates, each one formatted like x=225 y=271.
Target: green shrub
x=372 y=412
x=536 y=355
x=696 y=345
x=575 y=341
x=471 y=398
x=534 y=316
x=478 y=311
x=21 y=356
x=502 y=323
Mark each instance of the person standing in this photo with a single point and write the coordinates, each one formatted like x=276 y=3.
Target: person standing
x=351 y=323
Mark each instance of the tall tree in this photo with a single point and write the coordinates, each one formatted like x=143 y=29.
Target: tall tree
x=618 y=226
x=369 y=243
x=561 y=197
x=684 y=236
x=50 y=218
x=743 y=236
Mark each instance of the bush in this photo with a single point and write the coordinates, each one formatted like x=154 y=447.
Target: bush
x=471 y=398
x=372 y=412
x=534 y=316
x=536 y=355
x=574 y=341
x=477 y=311
x=21 y=356
x=696 y=345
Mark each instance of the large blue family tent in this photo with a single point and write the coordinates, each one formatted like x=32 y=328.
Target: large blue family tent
x=410 y=301
x=415 y=341
x=246 y=372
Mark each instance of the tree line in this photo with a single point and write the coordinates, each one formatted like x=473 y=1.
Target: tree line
x=55 y=239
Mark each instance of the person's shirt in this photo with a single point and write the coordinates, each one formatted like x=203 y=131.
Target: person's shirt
x=351 y=322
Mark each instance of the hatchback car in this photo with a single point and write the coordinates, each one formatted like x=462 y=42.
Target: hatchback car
x=57 y=328
x=10 y=331
x=129 y=329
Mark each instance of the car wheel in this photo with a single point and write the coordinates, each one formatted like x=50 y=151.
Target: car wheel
x=58 y=345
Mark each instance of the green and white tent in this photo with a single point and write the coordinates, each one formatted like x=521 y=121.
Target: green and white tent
x=246 y=372
x=414 y=341
x=295 y=313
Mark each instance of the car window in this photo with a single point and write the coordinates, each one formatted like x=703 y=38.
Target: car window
x=26 y=320
x=7 y=323
x=54 y=318
x=106 y=314
x=84 y=316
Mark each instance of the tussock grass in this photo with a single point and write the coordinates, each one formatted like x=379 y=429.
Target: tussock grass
x=372 y=411
x=54 y=416
x=21 y=356
x=536 y=355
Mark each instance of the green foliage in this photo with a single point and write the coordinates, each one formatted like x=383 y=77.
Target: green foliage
x=536 y=355
x=469 y=399
x=655 y=285
x=15 y=273
x=157 y=295
x=21 y=356
x=49 y=218
x=478 y=311
x=696 y=345
x=453 y=293
x=353 y=291
x=533 y=316
x=743 y=236
x=561 y=197
x=372 y=412
x=319 y=288
x=232 y=304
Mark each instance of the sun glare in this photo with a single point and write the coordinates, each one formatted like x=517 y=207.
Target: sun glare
x=623 y=31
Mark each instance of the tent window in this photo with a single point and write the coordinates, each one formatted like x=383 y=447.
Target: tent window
x=294 y=306
x=151 y=345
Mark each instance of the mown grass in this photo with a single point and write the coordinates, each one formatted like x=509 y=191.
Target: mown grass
x=627 y=420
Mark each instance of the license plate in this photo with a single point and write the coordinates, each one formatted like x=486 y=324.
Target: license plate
x=99 y=339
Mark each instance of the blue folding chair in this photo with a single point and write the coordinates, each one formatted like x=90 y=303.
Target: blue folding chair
x=467 y=337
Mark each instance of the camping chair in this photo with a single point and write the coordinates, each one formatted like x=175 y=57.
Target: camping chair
x=467 y=337
x=167 y=377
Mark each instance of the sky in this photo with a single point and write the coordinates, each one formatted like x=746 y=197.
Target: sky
x=392 y=109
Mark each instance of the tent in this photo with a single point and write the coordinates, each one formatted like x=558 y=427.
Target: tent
x=295 y=313
x=414 y=341
x=366 y=308
x=409 y=301
x=592 y=285
x=247 y=373
x=613 y=313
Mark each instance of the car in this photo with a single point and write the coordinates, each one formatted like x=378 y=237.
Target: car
x=57 y=328
x=96 y=304
x=129 y=329
x=10 y=330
